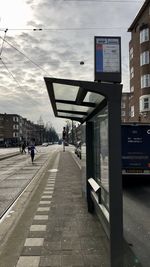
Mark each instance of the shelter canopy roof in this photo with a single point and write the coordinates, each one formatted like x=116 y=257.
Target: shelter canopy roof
x=76 y=100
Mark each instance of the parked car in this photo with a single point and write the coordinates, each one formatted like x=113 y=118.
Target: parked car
x=78 y=149
x=45 y=144
x=59 y=142
x=66 y=143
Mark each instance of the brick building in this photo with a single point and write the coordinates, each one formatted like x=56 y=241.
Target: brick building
x=15 y=129
x=125 y=112
x=139 y=56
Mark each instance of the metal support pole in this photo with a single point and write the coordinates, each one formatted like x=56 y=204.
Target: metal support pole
x=89 y=163
x=115 y=186
x=72 y=133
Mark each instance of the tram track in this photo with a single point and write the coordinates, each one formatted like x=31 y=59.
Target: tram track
x=10 y=155
x=12 y=203
x=13 y=212
x=14 y=183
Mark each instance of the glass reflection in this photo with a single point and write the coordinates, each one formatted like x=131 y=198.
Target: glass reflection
x=104 y=175
x=101 y=157
x=93 y=98
x=65 y=92
x=69 y=115
x=69 y=107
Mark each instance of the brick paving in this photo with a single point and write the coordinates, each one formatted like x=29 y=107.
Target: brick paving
x=63 y=233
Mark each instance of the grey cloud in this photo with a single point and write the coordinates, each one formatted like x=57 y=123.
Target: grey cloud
x=29 y=2
x=27 y=38
x=58 y=52
x=34 y=24
x=31 y=80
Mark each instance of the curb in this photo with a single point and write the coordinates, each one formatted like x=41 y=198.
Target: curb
x=9 y=155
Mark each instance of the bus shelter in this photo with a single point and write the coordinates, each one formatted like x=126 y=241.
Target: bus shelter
x=97 y=105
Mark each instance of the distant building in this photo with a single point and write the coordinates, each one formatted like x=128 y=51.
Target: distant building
x=139 y=56
x=10 y=129
x=125 y=106
x=15 y=129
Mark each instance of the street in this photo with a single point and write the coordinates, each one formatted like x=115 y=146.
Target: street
x=4 y=151
x=136 y=204
x=17 y=172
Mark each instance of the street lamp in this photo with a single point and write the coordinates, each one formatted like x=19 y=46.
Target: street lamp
x=81 y=62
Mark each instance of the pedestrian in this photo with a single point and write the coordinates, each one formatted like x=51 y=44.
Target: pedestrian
x=20 y=148
x=29 y=147
x=23 y=148
x=64 y=134
x=32 y=152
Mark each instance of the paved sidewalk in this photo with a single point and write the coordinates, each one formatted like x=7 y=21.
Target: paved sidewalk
x=50 y=227
x=62 y=233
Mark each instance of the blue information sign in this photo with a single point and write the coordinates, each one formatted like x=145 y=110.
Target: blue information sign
x=108 y=59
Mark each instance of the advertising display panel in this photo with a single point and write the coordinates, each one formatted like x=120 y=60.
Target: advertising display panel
x=135 y=148
x=108 y=59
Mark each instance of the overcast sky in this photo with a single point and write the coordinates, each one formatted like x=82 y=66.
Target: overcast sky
x=67 y=37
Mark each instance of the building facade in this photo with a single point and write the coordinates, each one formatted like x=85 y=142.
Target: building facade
x=125 y=104
x=10 y=129
x=139 y=56
x=15 y=129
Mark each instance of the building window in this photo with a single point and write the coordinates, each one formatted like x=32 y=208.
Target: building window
x=145 y=103
x=145 y=80
x=131 y=53
x=123 y=105
x=132 y=73
x=144 y=35
x=132 y=111
x=15 y=135
x=15 y=118
x=124 y=97
x=15 y=126
x=123 y=113
x=144 y=58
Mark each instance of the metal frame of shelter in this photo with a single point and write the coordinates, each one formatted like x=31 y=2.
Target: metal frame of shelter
x=77 y=107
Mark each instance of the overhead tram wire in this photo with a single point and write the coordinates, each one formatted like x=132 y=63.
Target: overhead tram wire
x=67 y=29
x=106 y=1
x=4 y=64
x=10 y=72
x=23 y=29
x=25 y=56
x=3 y=42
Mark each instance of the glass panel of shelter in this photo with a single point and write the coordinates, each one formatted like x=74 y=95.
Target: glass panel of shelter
x=70 y=108
x=63 y=91
x=93 y=98
x=101 y=154
x=69 y=115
